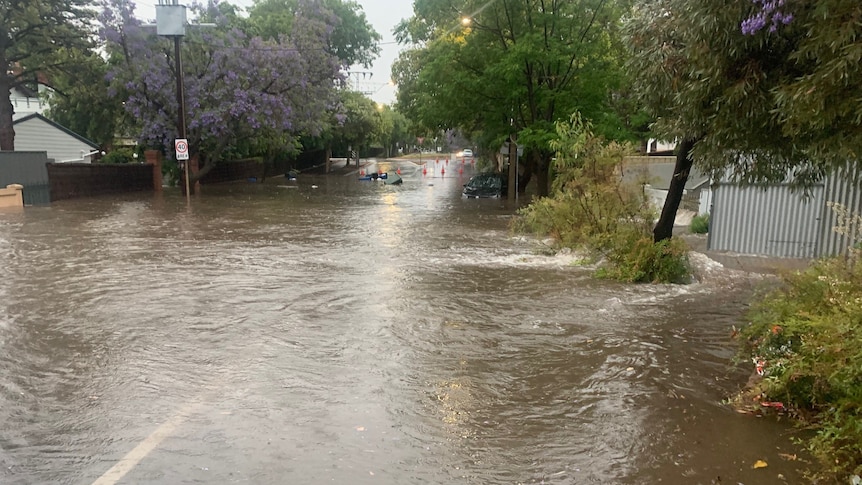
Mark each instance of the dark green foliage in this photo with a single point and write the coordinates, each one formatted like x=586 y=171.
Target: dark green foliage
x=808 y=335
x=80 y=101
x=120 y=155
x=700 y=224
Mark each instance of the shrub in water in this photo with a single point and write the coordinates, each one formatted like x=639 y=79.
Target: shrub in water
x=637 y=259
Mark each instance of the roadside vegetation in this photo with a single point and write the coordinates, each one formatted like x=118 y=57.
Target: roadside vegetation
x=592 y=209
x=805 y=341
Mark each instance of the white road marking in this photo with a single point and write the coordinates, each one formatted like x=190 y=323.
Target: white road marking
x=132 y=458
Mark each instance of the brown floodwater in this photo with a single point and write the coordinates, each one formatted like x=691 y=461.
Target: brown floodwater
x=331 y=330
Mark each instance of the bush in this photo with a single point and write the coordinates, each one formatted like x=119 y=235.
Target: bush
x=120 y=155
x=637 y=259
x=700 y=224
x=806 y=339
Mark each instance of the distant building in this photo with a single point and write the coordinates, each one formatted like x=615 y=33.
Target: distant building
x=656 y=147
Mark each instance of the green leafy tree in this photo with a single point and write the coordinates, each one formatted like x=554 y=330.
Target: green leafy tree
x=383 y=126
x=31 y=35
x=518 y=66
x=399 y=136
x=356 y=122
x=353 y=40
x=754 y=105
x=81 y=101
x=820 y=102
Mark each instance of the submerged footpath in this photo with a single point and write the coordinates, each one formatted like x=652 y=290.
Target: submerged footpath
x=744 y=262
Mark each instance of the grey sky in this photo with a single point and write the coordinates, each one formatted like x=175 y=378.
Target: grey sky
x=384 y=15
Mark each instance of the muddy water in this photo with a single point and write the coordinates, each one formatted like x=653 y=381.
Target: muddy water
x=331 y=330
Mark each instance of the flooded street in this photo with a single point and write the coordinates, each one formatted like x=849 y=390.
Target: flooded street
x=331 y=330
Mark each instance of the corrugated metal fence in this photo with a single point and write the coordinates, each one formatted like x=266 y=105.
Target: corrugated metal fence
x=778 y=221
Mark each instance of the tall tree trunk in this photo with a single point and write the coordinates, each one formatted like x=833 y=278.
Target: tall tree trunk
x=664 y=227
x=7 y=131
x=543 y=178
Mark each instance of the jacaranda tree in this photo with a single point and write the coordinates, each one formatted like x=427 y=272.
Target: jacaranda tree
x=237 y=88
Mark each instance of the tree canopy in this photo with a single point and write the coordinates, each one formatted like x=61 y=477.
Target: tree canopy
x=80 y=100
x=32 y=34
x=762 y=103
x=756 y=100
x=510 y=66
x=352 y=40
x=237 y=87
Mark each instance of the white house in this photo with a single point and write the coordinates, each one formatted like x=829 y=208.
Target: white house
x=26 y=101
x=34 y=132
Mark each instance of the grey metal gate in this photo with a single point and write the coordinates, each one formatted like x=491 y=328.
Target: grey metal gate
x=30 y=170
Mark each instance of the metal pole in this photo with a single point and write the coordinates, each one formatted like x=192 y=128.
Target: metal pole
x=181 y=105
x=516 y=176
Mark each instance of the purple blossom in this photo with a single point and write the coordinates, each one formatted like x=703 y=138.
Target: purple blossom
x=770 y=14
x=235 y=87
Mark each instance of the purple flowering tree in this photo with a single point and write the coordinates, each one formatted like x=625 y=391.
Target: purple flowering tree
x=238 y=89
x=770 y=14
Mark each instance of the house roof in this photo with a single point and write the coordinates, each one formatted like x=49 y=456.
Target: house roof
x=26 y=91
x=659 y=175
x=58 y=126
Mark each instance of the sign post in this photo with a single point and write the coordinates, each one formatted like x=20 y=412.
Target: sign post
x=181 y=146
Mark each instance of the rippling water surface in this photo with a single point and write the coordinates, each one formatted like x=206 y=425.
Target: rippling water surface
x=339 y=331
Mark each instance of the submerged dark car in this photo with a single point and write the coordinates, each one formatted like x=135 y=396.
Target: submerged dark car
x=486 y=185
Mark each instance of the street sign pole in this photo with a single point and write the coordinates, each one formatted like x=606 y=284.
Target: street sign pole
x=181 y=148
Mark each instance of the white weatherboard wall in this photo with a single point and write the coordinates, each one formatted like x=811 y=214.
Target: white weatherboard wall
x=36 y=133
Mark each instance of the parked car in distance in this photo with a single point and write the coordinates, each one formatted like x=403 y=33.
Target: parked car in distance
x=467 y=153
x=486 y=185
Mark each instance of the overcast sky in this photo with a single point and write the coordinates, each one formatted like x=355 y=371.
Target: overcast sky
x=383 y=15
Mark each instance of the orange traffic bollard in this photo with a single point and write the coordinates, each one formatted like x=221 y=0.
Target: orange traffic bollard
x=398 y=171
x=442 y=171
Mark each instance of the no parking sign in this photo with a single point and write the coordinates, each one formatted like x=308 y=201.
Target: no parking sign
x=181 y=145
